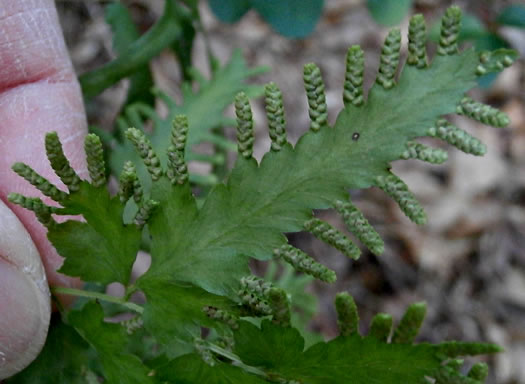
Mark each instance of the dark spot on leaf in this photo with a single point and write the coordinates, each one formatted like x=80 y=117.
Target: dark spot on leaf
x=355 y=136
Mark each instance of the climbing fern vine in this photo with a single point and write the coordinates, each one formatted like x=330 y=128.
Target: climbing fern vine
x=200 y=277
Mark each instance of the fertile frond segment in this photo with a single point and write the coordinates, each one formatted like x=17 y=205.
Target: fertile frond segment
x=254 y=294
x=381 y=327
x=422 y=152
x=177 y=168
x=457 y=137
x=146 y=152
x=302 y=262
x=95 y=160
x=221 y=315
x=60 y=163
x=145 y=211
x=495 y=61
x=275 y=115
x=482 y=113
x=389 y=59
x=42 y=211
x=417 y=40
x=398 y=190
x=450 y=26
x=41 y=183
x=325 y=232
x=315 y=91
x=360 y=227
x=479 y=371
x=280 y=304
x=245 y=132
x=410 y=324
x=129 y=184
x=347 y=315
x=353 y=85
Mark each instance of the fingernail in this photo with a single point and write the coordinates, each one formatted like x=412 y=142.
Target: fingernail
x=23 y=325
x=24 y=297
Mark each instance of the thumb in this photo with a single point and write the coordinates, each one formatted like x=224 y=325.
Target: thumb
x=38 y=93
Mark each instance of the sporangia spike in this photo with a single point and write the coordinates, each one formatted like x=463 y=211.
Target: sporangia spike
x=42 y=211
x=258 y=304
x=452 y=349
x=457 y=137
x=145 y=211
x=353 y=85
x=60 y=163
x=389 y=59
x=422 y=152
x=146 y=152
x=221 y=315
x=41 y=183
x=245 y=132
x=325 y=232
x=381 y=327
x=204 y=351
x=347 y=315
x=315 y=91
x=179 y=132
x=479 y=371
x=398 y=190
x=132 y=325
x=482 y=113
x=256 y=285
x=275 y=115
x=495 y=61
x=280 y=304
x=95 y=160
x=302 y=262
x=360 y=227
x=177 y=168
x=410 y=323
x=417 y=39
x=129 y=184
x=450 y=26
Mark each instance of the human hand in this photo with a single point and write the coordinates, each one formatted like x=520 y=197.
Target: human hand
x=38 y=93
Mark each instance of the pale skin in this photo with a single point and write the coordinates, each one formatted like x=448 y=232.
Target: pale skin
x=39 y=93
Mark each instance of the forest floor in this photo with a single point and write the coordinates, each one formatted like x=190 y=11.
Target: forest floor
x=468 y=262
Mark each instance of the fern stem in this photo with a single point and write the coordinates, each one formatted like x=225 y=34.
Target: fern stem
x=97 y=296
x=235 y=359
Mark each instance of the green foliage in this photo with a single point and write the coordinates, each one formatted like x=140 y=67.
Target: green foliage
x=124 y=34
x=291 y=18
x=200 y=276
x=513 y=15
x=389 y=12
x=133 y=54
